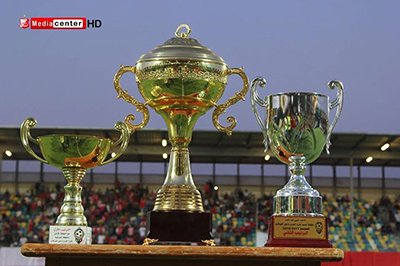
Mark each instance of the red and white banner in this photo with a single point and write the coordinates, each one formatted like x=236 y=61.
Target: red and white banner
x=58 y=23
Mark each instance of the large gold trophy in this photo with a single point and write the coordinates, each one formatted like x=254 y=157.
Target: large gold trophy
x=181 y=80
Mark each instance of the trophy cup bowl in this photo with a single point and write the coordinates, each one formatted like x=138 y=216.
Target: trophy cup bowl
x=297 y=129
x=73 y=154
x=181 y=80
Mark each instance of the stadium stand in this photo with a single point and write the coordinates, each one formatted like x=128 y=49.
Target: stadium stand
x=376 y=224
x=117 y=216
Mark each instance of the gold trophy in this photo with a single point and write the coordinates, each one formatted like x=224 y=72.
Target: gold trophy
x=181 y=80
x=73 y=154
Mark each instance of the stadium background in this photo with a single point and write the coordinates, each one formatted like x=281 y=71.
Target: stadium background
x=64 y=79
x=237 y=188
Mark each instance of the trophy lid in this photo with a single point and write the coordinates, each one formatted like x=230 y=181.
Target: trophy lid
x=182 y=47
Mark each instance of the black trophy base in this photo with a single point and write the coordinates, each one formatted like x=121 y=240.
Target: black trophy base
x=179 y=227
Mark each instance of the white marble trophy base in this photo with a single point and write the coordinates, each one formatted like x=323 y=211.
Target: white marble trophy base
x=81 y=235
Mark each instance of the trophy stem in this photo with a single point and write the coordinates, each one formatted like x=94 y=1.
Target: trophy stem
x=178 y=215
x=297 y=197
x=72 y=212
x=179 y=192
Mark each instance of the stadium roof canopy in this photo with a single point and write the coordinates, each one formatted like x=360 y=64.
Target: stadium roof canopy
x=213 y=146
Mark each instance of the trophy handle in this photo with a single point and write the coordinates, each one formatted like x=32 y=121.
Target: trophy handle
x=338 y=102
x=255 y=99
x=124 y=139
x=221 y=108
x=25 y=136
x=140 y=107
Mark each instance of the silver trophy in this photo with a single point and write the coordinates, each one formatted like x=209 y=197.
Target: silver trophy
x=296 y=128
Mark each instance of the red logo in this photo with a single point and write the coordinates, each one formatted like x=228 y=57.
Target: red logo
x=24 y=22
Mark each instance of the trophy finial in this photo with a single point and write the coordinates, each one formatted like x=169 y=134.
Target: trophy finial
x=183 y=34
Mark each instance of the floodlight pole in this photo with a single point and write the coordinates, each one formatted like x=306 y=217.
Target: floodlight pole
x=383 y=182
x=16 y=176
x=41 y=173
x=352 y=197
x=359 y=182
x=286 y=174
x=91 y=177
x=238 y=175
x=214 y=178
x=116 y=173
x=334 y=188
x=1 y=167
x=141 y=173
x=262 y=181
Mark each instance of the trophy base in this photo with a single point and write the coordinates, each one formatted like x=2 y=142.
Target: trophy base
x=73 y=234
x=179 y=227
x=298 y=231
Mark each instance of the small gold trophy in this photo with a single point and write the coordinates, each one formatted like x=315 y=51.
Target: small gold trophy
x=181 y=80
x=73 y=154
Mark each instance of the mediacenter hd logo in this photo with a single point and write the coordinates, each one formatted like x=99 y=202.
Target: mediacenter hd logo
x=58 y=23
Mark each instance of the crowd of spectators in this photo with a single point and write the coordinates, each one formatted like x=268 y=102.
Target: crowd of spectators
x=376 y=224
x=382 y=215
x=233 y=215
x=118 y=215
